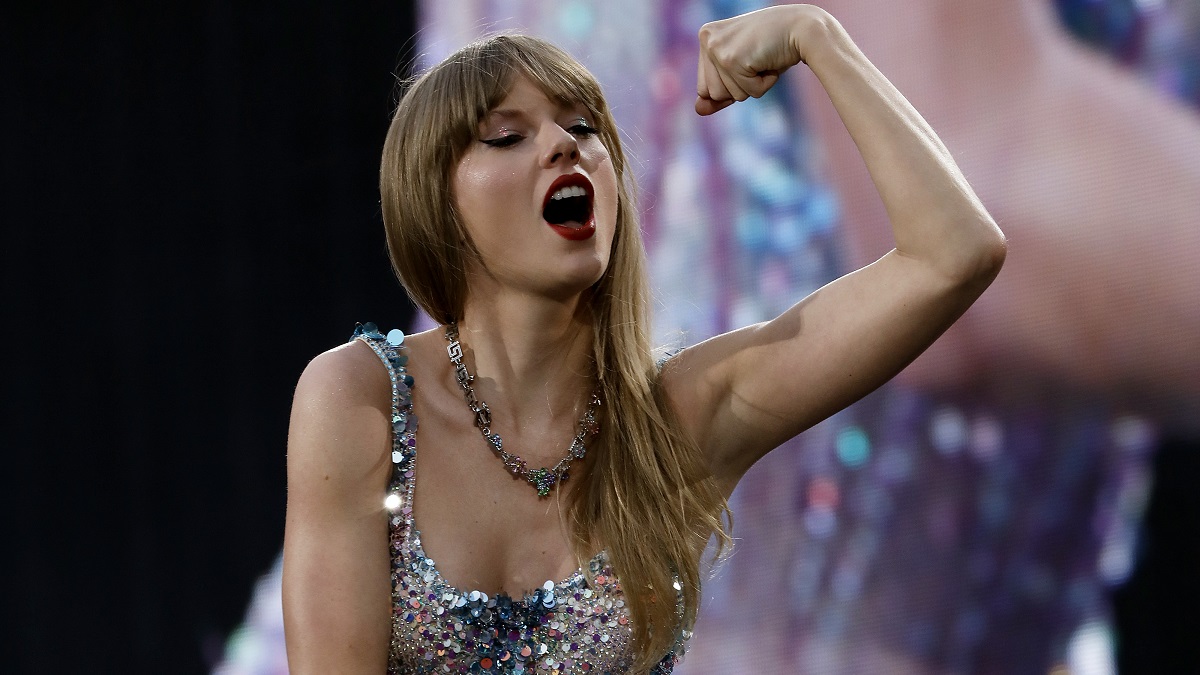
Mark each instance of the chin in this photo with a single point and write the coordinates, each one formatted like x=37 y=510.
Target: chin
x=585 y=281
x=579 y=279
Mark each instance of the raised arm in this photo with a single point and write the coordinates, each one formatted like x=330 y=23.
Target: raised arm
x=745 y=392
x=336 y=592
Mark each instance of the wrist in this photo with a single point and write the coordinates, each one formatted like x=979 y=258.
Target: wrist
x=814 y=32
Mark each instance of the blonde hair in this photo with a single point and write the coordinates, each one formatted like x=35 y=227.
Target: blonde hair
x=648 y=496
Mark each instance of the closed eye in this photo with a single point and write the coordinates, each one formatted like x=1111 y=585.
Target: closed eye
x=503 y=141
x=579 y=129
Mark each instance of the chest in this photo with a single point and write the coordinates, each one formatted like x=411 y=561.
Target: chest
x=485 y=529
x=579 y=624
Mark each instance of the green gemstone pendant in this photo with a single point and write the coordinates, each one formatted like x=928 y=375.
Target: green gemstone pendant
x=542 y=480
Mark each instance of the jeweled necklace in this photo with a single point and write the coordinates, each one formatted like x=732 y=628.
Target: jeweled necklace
x=545 y=478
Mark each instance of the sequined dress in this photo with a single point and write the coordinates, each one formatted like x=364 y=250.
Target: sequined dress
x=578 y=625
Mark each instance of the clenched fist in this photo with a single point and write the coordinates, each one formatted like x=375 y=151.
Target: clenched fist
x=743 y=56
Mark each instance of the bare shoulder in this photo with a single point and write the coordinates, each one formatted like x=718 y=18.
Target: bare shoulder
x=702 y=369
x=697 y=376
x=335 y=572
x=339 y=430
x=699 y=379
x=345 y=373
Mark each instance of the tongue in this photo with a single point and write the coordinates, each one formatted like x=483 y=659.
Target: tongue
x=572 y=224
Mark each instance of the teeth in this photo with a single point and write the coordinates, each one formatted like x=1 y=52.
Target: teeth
x=569 y=191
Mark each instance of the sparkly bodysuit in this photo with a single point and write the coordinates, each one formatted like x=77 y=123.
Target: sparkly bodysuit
x=578 y=625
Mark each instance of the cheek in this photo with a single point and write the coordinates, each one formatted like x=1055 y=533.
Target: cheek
x=483 y=194
x=604 y=179
x=606 y=190
x=467 y=183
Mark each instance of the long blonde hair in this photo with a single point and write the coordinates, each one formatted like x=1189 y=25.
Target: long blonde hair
x=648 y=496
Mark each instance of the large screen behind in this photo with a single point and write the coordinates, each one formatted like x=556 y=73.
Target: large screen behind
x=974 y=515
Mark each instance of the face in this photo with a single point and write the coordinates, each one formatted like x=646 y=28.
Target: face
x=538 y=195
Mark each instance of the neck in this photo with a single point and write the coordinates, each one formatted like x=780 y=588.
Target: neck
x=531 y=357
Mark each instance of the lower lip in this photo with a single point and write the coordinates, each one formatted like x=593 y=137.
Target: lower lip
x=580 y=233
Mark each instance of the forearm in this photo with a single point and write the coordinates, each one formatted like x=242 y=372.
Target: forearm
x=935 y=215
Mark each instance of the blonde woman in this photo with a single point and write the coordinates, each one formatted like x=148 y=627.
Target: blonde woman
x=550 y=512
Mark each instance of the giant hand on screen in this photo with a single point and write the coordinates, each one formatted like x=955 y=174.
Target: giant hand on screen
x=743 y=56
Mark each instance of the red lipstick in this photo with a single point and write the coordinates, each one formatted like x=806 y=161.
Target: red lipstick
x=586 y=229
x=580 y=233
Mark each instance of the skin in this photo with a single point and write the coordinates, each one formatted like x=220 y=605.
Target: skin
x=528 y=337
x=1094 y=178
x=501 y=190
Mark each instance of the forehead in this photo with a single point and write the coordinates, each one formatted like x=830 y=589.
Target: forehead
x=525 y=99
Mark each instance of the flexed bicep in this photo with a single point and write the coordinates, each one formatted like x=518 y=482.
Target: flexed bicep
x=744 y=393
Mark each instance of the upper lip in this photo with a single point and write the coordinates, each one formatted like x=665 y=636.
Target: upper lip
x=566 y=180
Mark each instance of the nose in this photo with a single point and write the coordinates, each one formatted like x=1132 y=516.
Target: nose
x=563 y=148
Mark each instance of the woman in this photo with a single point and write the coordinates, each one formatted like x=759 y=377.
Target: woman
x=510 y=220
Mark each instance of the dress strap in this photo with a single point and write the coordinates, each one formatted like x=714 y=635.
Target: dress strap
x=661 y=362
x=391 y=351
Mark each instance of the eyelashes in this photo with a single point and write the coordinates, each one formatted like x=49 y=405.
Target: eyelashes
x=580 y=129
x=583 y=130
x=503 y=141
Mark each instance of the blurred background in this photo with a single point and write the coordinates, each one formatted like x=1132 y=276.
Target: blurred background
x=191 y=213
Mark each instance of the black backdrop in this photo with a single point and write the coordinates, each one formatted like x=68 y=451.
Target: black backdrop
x=190 y=213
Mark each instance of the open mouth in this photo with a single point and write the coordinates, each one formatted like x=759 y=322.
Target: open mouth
x=568 y=206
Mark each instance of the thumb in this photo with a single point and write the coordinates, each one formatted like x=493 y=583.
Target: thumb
x=707 y=106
